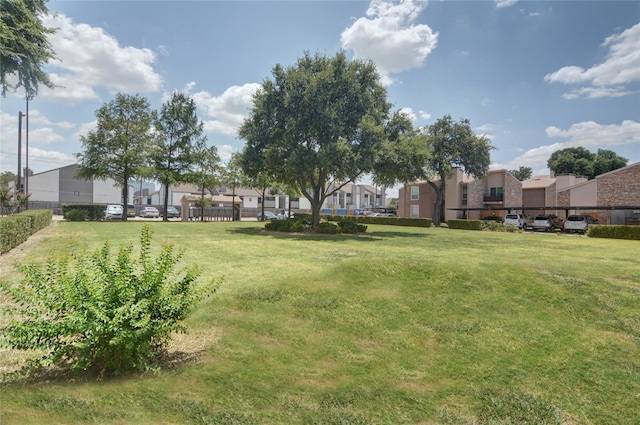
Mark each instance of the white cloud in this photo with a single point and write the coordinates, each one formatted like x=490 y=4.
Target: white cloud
x=621 y=66
x=227 y=111
x=225 y=152
x=409 y=113
x=424 y=115
x=589 y=135
x=389 y=38
x=84 y=129
x=89 y=58
x=505 y=3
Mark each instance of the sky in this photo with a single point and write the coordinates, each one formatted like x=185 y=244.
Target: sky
x=531 y=76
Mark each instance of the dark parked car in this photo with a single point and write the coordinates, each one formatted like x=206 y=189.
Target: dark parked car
x=172 y=212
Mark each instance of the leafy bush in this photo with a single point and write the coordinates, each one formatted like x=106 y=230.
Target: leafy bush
x=14 y=230
x=466 y=224
x=495 y=226
x=349 y=226
x=292 y=225
x=77 y=215
x=327 y=227
x=98 y=312
x=614 y=232
x=94 y=212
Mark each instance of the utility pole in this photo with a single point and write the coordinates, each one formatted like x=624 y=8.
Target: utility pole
x=18 y=188
x=26 y=173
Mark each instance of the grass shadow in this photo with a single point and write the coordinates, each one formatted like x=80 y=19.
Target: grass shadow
x=340 y=237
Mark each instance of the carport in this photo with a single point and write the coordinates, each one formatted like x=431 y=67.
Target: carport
x=223 y=208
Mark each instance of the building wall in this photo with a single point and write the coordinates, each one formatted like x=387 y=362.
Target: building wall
x=512 y=190
x=106 y=192
x=619 y=187
x=45 y=186
x=425 y=201
x=475 y=198
x=72 y=189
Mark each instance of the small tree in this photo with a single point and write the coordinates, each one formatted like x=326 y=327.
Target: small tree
x=98 y=312
x=119 y=148
x=205 y=172
x=522 y=173
x=177 y=131
x=453 y=144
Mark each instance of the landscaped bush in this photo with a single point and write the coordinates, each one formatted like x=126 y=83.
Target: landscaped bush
x=614 y=232
x=495 y=226
x=327 y=227
x=369 y=219
x=100 y=312
x=293 y=226
x=77 y=215
x=14 y=230
x=466 y=224
x=350 y=226
x=94 y=212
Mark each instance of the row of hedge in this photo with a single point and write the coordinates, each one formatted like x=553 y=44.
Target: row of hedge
x=16 y=228
x=369 y=219
x=466 y=224
x=82 y=212
x=614 y=231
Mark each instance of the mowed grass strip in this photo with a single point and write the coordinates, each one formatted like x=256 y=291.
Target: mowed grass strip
x=396 y=326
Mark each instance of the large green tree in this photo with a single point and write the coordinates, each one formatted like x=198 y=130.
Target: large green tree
x=454 y=144
x=317 y=125
x=24 y=47
x=177 y=131
x=120 y=146
x=582 y=162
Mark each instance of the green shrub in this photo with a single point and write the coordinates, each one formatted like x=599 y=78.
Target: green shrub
x=14 y=230
x=292 y=225
x=98 y=312
x=495 y=226
x=327 y=227
x=94 y=212
x=614 y=232
x=466 y=224
x=77 y=215
x=350 y=226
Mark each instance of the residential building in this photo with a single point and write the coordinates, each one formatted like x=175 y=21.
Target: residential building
x=356 y=196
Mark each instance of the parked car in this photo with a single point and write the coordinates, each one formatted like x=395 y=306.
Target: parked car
x=149 y=212
x=548 y=223
x=113 y=212
x=517 y=220
x=131 y=210
x=268 y=215
x=172 y=212
x=578 y=223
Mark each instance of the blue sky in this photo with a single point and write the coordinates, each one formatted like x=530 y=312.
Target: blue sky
x=532 y=76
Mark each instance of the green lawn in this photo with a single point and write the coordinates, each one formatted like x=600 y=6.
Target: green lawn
x=397 y=326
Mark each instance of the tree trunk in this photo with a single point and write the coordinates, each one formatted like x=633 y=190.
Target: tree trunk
x=166 y=203
x=437 y=208
x=125 y=199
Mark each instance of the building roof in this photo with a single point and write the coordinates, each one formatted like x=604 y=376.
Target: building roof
x=538 y=182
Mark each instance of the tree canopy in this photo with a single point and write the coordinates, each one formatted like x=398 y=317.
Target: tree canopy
x=522 y=173
x=177 y=132
x=24 y=47
x=582 y=162
x=119 y=147
x=454 y=144
x=317 y=125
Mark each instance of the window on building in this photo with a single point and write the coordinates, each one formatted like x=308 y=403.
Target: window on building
x=415 y=211
x=415 y=191
x=464 y=191
x=495 y=191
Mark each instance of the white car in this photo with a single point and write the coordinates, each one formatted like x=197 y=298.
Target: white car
x=113 y=212
x=578 y=223
x=149 y=212
x=517 y=220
